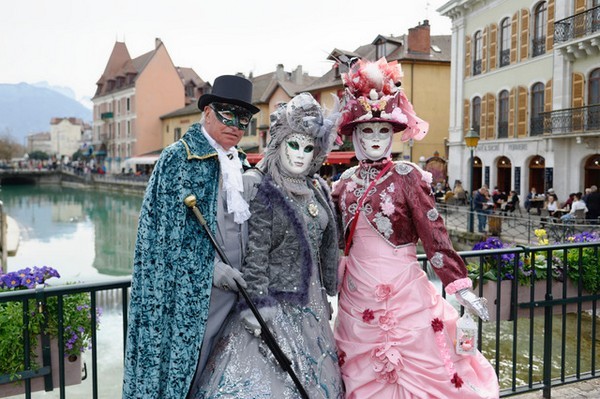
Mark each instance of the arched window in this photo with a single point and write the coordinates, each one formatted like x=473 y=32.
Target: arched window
x=476 y=114
x=537 y=107
x=503 y=114
x=505 y=42
x=540 y=23
x=593 y=118
x=477 y=53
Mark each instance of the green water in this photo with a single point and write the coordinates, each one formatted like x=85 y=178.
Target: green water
x=81 y=233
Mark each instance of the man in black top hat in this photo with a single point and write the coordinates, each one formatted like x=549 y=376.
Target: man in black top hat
x=180 y=291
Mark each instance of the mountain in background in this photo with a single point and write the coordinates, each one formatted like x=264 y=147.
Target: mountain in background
x=27 y=109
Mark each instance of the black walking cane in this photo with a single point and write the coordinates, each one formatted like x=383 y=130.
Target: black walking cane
x=266 y=335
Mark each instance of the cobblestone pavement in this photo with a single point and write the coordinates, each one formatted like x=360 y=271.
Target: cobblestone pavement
x=579 y=390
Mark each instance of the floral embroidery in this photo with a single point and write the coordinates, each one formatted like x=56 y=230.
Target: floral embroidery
x=387 y=321
x=384 y=225
x=437 y=260
x=351 y=186
x=368 y=315
x=440 y=340
x=426 y=176
x=391 y=188
x=348 y=172
x=387 y=362
x=387 y=208
x=403 y=168
x=383 y=292
x=432 y=214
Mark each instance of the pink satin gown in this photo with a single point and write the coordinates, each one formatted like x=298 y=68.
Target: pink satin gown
x=387 y=345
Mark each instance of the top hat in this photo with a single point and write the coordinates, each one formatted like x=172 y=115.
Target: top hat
x=230 y=89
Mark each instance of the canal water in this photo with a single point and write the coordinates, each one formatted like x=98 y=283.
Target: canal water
x=87 y=236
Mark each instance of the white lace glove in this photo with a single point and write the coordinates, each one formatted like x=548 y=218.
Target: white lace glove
x=225 y=276
x=473 y=303
x=250 y=321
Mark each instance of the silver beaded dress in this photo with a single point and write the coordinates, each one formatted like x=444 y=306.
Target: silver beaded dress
x=242 y=366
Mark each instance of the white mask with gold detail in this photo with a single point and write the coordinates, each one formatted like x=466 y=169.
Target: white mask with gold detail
x=375 y=139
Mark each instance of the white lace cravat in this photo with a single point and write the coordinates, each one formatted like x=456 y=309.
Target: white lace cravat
x=231 y=171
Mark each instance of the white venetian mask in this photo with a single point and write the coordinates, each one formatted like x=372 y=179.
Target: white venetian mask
x=296 y=153
x=375 y=138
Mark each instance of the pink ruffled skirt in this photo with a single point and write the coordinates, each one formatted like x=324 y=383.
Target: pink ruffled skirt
x=385 y=333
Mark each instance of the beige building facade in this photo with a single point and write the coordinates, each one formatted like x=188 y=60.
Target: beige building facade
x=526 y=76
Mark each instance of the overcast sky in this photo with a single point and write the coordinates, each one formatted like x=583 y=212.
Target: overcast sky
x=68 y=42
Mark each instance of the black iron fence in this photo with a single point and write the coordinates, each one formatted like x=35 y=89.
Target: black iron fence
x=579 y=25
x=543 y=330
x=572 y=120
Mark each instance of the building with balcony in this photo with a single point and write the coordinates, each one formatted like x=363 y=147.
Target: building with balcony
x=526 y=76
x=131 y=95
x=425 y=61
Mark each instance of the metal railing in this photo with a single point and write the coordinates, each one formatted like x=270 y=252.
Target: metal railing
x=579 y=25
x=572 y=120
x=530 y=348
x=112 y=293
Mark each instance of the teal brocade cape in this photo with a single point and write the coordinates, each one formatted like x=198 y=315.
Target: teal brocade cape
x=172 y=272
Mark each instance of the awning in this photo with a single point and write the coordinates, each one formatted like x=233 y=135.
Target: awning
x=341 y=157
x=253 y=158
x=145 y=160
x=335 y=157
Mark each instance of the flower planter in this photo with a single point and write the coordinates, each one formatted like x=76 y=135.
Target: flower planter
x=507 y=298
x=72 y=373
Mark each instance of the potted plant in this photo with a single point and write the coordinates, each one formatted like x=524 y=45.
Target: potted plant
x=584 y=263
x=76 y=326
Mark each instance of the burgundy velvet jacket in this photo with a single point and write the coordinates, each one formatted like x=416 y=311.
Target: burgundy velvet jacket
x=401 y=209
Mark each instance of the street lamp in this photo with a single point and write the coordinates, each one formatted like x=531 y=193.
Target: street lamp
x=471 y=140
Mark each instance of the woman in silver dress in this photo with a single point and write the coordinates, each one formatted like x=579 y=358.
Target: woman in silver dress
x=290 y=266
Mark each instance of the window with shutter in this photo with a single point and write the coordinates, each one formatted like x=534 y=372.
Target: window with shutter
x=466 y=116
x=540 y=24
x=593 y=118
x=476 y=114
x=493 y=46
x=548 y=97
x=504 y=42
x=514 y=37
x=477 y=52
x=467 y=56
x=484 y=51
x=503 y=114
x=491 y=116
x=524 y=34
x=536 y=126
x=577 y=101
x=512 y=109
x=579 y=6
x=522 y=112
x=550 y=26
x=482 y=117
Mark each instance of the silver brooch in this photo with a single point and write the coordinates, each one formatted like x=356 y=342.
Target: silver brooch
x=313 y=210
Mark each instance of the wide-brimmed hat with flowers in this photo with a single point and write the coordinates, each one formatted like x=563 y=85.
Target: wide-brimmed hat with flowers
x=373 y=94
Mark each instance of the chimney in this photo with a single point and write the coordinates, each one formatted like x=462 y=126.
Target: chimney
x=279 y=73
x=297 y=75
x=419 y=39
x=157 y=42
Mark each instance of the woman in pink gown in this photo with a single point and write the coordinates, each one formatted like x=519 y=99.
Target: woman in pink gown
x=394 y=331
